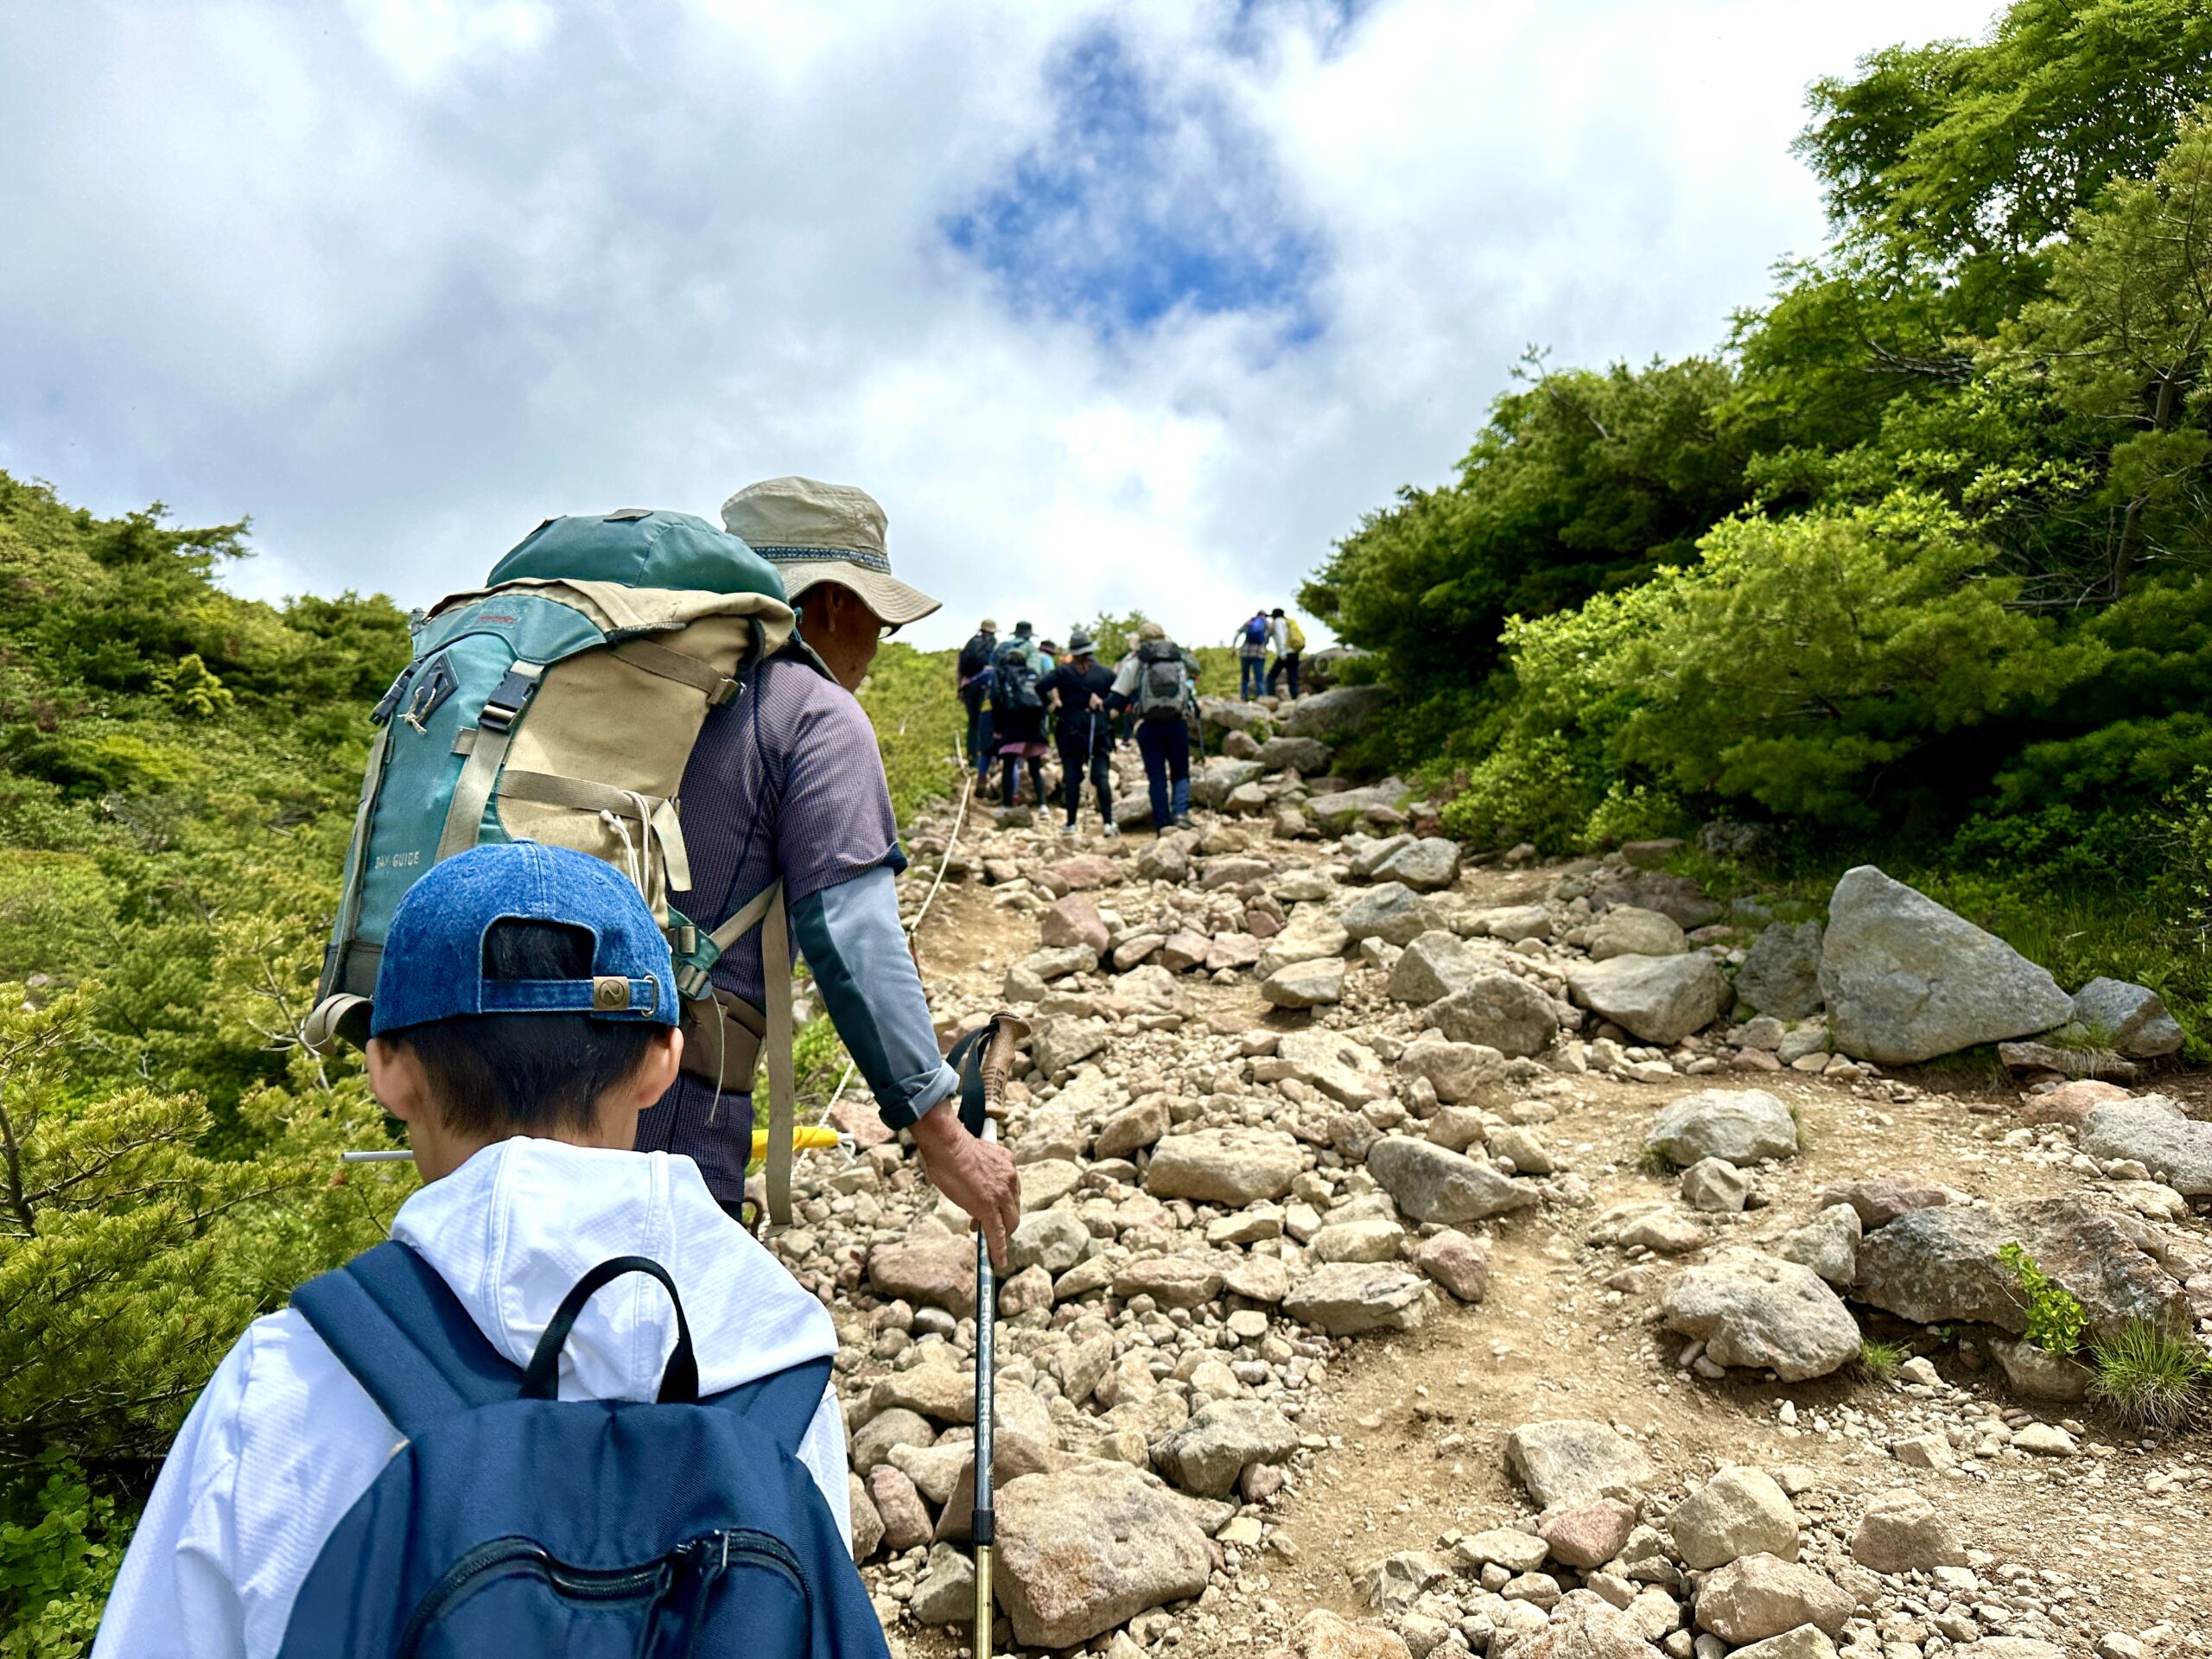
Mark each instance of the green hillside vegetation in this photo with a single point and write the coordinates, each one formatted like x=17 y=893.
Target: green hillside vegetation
x=1914 y=565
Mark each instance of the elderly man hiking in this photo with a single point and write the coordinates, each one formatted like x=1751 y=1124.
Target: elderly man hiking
x=1158 y=681
x=786 y=783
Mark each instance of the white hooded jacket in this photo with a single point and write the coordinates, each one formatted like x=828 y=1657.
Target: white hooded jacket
x=283 y=1442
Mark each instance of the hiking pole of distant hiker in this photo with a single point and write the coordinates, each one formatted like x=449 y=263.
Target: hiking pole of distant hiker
x=998 y=1057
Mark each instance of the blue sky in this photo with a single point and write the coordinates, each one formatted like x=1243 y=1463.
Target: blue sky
x=1112 y=306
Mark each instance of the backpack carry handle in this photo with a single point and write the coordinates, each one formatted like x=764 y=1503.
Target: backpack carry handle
x=679 y=1383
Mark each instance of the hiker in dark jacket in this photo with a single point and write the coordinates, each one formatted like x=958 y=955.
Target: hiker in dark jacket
x=1158 y=681
x=1078 y=690
x=1018 y=714
x=972 y=677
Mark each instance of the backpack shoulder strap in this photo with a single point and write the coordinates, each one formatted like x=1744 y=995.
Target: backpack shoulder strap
x=396 y=1326
x=784 y=1402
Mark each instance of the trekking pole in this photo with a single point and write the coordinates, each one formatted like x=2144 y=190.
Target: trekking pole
x=997 y=1057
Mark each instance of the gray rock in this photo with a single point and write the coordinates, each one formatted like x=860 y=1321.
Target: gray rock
x=1828 y=1244
x=946 y=1594
x=873 y=1440
x=1905 y=980
x=1941 y=1267
x=1506 y=1547
x=1233 y=715
x=1806 y=1642
x=1676 y=896
x=1390 y=912
x=1629 y=930
x=1346 y=1072
x=1166 y=859
x=2153 y=1132
x=1581 y=1629
x=1312 y=933
x=1435 y=964
x=1512 y=923
x=1056 y=962
x=2131 y=1018
x=2035 y=1374
x=867 y=1525
x=1573 y=1461
x=1341 y=709
x=1370 y=1239
x=1088 y=1548
x=1759 y=1596
x=1456 y=1071
x=1064 y=1041
x=1740 y=1511
x=1052 y=1239
x=1756 y=1312
x=1212 y=785
x=1425 y=865
x=1232 y=1166
x=1781 y=974
x=1308 y=755
x=1902 y=1532
x=1306 y=984
x=1132 y=1128
x=1660 y=999
x=1345 y=1299
x=1741 y=1125
x=1394 y=1584
x=1499 y=1010
x=1371 y=857
x=1347 y=807
x=1432 y=1183
x=1207 y=1454
x=1715 y=1186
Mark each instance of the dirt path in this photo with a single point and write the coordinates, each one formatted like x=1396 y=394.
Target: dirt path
x=1405 y=1433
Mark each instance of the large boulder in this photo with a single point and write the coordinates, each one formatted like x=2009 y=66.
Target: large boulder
x=1573 y=1460
x=1496 y=1009
x=1346 y=1298
x=1902 y=1532
x=1456 y=1071
x=935 y=1268
x=1742 y=1126
x=1344 y=708
x=1084 y=1550
x=1905 y=980
x=1304 y=754
x=1436 y=963
x=1941 y=1267
x=1306 y=984
x=1348 y=1072
x=1433 y=1183
x=1312 y=934
x=2132 y=1019
x=1074 y=921
x=1212 y=785
x=1390 y=912
x=1347 y=809
x=1759 y=1596
x=2153 y=1131
x=1631 y=931
x=1234 y=1166
x=1763 y=1314
x=1740 y=1511
x=1220 y=1441
x=1781 y=974
x=1660 y=999
x=1424 y=865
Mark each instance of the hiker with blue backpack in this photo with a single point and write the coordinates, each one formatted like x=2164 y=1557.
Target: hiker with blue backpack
x=1251 y=643
x=570 y=1406
x=636 y=686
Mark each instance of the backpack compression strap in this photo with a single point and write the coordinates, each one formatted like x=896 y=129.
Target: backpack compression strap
x=766 y=910
x=399 y=1329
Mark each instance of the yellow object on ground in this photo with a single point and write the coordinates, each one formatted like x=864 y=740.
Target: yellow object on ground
x=808 y=1137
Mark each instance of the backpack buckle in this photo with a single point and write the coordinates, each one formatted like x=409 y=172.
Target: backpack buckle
x=508 y=699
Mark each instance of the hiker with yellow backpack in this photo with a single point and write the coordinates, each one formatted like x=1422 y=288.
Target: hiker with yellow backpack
x=638 y=686
x=1290 y=643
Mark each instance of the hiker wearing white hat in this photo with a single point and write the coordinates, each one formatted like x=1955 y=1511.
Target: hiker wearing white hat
x=827 y=543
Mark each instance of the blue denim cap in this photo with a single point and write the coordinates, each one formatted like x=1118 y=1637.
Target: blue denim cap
x=433 y=962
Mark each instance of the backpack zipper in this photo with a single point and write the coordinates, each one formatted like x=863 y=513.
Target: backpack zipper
x=712 y=1553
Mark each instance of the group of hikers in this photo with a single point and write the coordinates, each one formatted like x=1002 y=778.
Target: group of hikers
x=466 y=1441
x=1026 y=697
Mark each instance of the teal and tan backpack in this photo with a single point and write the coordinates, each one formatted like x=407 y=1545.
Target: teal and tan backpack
x=559 y=703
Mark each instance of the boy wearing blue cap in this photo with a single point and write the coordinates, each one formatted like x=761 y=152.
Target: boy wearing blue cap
x=525 y=1014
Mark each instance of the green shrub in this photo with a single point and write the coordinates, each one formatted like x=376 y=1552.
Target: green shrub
x=58 y=1559
x=2151 y=1378
x=2055 y=1316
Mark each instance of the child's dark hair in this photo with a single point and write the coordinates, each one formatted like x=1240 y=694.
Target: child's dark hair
x=527 y=1072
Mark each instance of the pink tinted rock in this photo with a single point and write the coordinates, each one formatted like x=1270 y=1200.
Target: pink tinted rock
x=1588 y=1534
x=1456 y=1262
x=1882 y=1200
x=1087 y=871
x=905 y=1517
x=1184 y=950
x=2070 y=1103
x=1232 y=951
x=1073 y=920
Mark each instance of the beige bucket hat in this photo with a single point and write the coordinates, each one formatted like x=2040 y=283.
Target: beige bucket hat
x=814 y=532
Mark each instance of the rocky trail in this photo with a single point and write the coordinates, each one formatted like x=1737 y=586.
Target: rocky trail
x=1422 y=1259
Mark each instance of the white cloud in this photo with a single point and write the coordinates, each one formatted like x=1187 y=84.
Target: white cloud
x=402 y=291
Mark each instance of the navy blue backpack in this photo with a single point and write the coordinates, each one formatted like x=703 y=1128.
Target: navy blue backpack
x=513 y=1522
